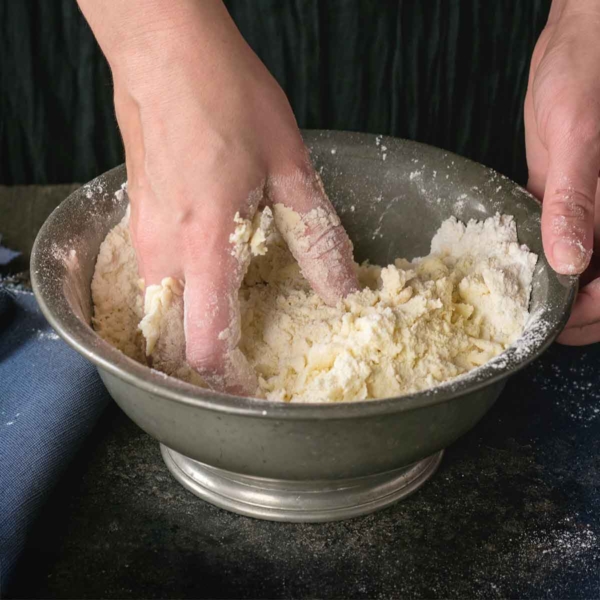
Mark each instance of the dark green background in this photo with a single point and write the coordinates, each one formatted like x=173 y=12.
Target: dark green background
x=452 y=73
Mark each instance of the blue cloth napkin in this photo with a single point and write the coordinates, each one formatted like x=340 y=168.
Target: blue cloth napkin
x=50 y=399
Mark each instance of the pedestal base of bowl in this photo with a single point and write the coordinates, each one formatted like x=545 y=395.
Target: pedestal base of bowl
x=298 y=501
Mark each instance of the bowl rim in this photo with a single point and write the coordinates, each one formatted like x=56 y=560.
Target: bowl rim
x=81 y=336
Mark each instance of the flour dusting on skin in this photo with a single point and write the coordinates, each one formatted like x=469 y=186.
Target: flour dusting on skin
x=412 y=326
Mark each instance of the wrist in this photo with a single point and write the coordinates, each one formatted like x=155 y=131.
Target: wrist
x=575 y=8
x=120 y=26
x=144 y=39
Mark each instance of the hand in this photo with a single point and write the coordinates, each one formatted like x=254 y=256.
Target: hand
x=208 y=133
x=562 y=132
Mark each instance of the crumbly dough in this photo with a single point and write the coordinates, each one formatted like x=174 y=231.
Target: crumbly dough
x=412 y=326
x=117 y=293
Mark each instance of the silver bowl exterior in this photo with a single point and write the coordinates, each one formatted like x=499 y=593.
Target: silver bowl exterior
x=391 y=195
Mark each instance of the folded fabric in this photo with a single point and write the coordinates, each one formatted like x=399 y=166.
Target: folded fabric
x=50 y=399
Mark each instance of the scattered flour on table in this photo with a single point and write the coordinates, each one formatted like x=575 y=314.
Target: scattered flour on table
x=412 y=326
x=47 y=335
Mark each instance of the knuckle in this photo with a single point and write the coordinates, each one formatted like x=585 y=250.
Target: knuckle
x=295 y=172
x=572 y=204
x=577 y=121
x=205 y=359
x=293 y=160
x=184 y=214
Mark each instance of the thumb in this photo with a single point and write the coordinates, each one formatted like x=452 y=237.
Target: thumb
x=568 y=207
x=313 y=232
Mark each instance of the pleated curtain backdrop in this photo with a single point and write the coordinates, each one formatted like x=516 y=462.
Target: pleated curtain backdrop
x=452 y=73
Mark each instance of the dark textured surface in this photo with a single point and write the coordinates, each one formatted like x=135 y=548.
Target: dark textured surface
x=23 y=210
x=513 y=512
x=452 y=73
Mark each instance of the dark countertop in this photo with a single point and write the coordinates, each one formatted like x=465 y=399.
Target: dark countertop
x=24 y=208
x=514 y=511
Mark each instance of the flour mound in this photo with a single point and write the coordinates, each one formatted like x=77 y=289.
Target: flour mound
x=412 y=326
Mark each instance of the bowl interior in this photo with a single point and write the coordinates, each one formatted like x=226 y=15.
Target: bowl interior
x=391 y=195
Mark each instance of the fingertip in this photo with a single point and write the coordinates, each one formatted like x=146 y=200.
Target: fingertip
x=569 y=257
x=568 y=224
x=337 y=287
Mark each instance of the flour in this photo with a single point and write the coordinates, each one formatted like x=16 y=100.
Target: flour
x=412 y=326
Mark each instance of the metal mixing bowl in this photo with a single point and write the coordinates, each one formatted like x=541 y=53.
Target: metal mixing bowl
x=316 y=462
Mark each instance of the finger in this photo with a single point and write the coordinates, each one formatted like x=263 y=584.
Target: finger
x=212 y=332
x=212 y=314
x=313 y=231
x=154 y=268
x=155 y=239
x=570 y=191
x=584 y=324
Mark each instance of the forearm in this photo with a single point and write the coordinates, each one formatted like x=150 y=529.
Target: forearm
x=139 y=37
x=122 y=26
x=560 y=8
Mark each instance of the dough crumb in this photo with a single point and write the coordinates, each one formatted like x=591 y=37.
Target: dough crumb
x=250 y=236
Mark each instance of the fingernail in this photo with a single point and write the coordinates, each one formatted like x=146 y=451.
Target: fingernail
x=570 y=257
